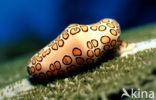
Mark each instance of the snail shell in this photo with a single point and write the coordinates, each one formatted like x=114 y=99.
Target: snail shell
x=76 y=46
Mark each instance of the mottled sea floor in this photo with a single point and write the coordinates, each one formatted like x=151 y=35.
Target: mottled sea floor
x=104 y=82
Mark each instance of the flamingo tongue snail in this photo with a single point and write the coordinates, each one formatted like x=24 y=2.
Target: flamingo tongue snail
x=76 y=46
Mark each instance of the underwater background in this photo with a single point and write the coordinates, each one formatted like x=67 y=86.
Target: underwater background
x=27 y=25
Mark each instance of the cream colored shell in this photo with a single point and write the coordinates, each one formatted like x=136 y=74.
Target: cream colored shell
x=76 y=46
